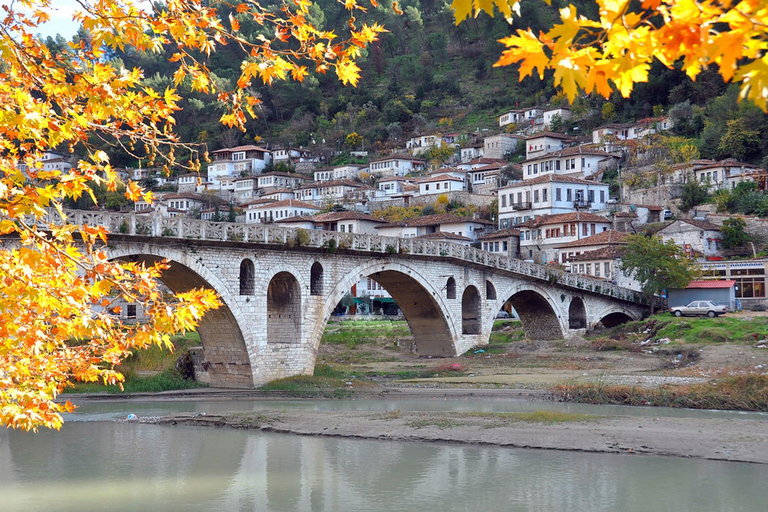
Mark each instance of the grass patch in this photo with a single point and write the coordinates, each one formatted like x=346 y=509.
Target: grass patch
x=740 y=393
x=357 y=332
x=703 y=330
x=157 y=358
x=326 y=381
x=167 y=380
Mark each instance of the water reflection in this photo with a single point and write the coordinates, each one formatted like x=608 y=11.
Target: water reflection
x=117 y=466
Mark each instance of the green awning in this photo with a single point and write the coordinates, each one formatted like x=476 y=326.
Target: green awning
x=384 y=299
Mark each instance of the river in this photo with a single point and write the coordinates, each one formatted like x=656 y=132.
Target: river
x=96 y=463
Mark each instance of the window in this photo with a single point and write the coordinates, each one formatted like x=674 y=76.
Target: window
x=591 y=196
x=503 y=201
x=568 y=195
x=544 y=195
x=602 y=196
x=558 y=194
x=584 y=229
x=504 y=246
x=589 y=268
x=350 y=228
x=535 y=196
x=607 y=268
x=597 y=270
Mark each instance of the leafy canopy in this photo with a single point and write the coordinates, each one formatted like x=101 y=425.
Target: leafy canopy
x=615 y=50
x=58 y=286
x=655 y=264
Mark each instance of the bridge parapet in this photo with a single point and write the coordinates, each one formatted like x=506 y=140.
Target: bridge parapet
x=192 y=229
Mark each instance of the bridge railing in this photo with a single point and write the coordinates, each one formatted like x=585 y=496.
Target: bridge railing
x=185 y=228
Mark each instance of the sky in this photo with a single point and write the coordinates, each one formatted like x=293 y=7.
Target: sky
x=61 y=20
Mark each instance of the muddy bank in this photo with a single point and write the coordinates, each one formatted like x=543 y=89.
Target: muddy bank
x=705 y=438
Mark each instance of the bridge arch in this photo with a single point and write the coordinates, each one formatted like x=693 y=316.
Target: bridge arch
x=613 y=316
x=225 y=344
x=577 y=314
x=538 y=312
x=422 y=305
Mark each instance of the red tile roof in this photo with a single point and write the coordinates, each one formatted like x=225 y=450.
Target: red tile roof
x=434 y=220
x=724 y=283
x=562 y=218
x=504 y=233
x=609 y=237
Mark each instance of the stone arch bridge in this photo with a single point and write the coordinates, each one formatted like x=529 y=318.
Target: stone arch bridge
x=280 y=286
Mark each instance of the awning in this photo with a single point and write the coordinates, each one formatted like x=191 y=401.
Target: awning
x=384 y=299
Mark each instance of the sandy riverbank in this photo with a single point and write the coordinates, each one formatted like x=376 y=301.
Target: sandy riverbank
x=742 y=440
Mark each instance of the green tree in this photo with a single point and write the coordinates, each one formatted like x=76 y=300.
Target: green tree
x=734 y=233
x=739 y=141
x=694 y=194
x=656 y=265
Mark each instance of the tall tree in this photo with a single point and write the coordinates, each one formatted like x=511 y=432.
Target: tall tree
x=656 y=265
x=55 y=324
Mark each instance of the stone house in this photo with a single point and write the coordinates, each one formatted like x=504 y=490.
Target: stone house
x=501 y=146
x=505 y=241
x=471 y=152
x=699 y=238
x=549 y=114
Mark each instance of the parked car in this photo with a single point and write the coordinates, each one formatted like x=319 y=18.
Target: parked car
x=709 y=308
x=667 y=214
x=502 y=314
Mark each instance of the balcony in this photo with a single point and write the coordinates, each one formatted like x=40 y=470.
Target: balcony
x=581 y=205
x=521 y=206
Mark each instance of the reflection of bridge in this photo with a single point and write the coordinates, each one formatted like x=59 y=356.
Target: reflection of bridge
x=279 y=287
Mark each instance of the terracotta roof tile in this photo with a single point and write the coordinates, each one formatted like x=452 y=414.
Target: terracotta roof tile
x=609 y=236
x=562 y=218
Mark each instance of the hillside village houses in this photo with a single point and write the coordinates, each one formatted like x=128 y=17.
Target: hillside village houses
x=558 y=210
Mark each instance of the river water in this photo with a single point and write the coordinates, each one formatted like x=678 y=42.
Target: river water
x=96 y=463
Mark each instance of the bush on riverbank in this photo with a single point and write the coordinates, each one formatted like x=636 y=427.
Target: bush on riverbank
x=739 y=393
x=167 y=380
x=326 y=381
x=357 y=332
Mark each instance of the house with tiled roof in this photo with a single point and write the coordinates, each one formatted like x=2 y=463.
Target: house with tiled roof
x=569 y=250
x=545 y=142
x=396 y=165
x=504 y=241
x=274 y=180
x=348 y=222
x=484 y=179
x=238 y=161
x=698 y=238
x=502 y=145
x=279 y=194
x=726 y=174
x=440 y=184
x=579 y=162
x=550 y=114
x=445 y=222
x=322 y=192
x=471 y=152
x=604 y=263
x=387 y=187
x=272 y=211
x=440 y=236
x=540 y=236
x=549 y=194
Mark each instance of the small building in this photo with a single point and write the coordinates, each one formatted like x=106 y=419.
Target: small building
x=471 y=152
x=238 y=161
x=699 y=239
x=751 y=278
x=545 y=142
x=396 y=165
x=440 y=184
x=445 y=222
x=505 y=241
x=439 y=236
x=721 y=291
x=347 y=222
x=272 y=211
x=501 y=145
x=421 y=144
x=552 y=113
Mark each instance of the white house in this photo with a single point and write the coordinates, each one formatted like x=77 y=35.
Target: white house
x=273 y=211
x=188 y=202
x=286 y=155
x=471 y=152
x=502 y=145
x=391 y=186
x=612 y=135
x=569 y=250
x=245 y=189
x=699 y=239
x=540 y=237
x=439 y=236
x=578 y=162
x=545 y=142
x=274 y=180
x=549 y=194
x=396 y=165
x=551 y=113
x=521 y=116
x=420 y=144
x=238 y=161
x=445 y=222
x=348 y=222
x=280 y=194
x=327 y=191
x=726 y=174
x=440 y=184
x=485 y=179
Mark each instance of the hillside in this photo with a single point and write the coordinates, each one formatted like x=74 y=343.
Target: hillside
x=427 y=75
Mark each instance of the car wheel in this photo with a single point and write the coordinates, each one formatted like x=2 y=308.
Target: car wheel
x=678 y=313
x=711 y=314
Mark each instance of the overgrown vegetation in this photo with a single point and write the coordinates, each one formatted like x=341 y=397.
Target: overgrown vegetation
x=327 y=381
x=740 y=393
x=357 y=332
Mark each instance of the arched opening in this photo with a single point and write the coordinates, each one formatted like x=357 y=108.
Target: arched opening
x=470 y=311
x=450 y=288
x=614 y=319
x=537 y=316
x=316 y=279
x=490 y=290
x=247 y=277
x=283 y=309
x=225 y=357
x=577 y=314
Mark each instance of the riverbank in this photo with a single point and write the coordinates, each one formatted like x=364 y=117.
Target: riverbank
x=735 y=440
